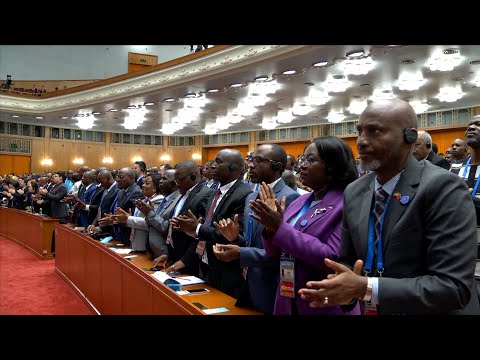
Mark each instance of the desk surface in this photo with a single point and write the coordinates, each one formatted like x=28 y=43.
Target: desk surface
x=78 y=254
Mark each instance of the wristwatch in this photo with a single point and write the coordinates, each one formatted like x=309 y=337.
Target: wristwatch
x=368 y=292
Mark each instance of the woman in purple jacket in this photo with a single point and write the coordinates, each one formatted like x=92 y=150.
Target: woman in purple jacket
x=310 y=229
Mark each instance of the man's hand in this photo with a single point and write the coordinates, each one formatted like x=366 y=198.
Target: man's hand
x=122 y=215
x=161 y=260
x=228 y=228
x=80 y=205
x=226 y=253
x=143 y=206
x=186 y=223
x=338 y=289
x=92 y=229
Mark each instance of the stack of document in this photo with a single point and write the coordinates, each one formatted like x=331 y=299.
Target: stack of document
x=183 y=280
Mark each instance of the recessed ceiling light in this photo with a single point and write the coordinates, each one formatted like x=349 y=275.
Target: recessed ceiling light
x=320 y=63
x=38 y=117
x=386 y=91
x=212 y=90
x=190 y=95
x=475 y=62
x=113 y=110
x=16 y=116
x=261 y=78
x=364 y=84
x=407 y=61
x=235 y=85
x=355 y=53
x=450 y=51
x=96 y=113
x=80 y=115
x=131 y=107
x=148 y=104
x=289 y=72
x=169 y=99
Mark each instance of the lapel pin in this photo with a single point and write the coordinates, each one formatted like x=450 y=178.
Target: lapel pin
x=404 y=199
x=397 y=196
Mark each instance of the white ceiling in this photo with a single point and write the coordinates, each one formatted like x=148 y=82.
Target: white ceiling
x=242 y=64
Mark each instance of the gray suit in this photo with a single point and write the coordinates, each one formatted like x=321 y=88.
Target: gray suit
x=260 y=289
x=158 y=226
x=429 y=243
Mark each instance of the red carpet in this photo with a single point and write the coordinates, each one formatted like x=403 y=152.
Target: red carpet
x=30 y=286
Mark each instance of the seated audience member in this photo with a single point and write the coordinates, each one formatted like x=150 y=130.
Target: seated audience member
x=136 y=221
x=423 y=151
x=414 y=251
x=309 y=230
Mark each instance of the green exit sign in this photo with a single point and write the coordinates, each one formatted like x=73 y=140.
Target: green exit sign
x=13 y=146
x=143 y=60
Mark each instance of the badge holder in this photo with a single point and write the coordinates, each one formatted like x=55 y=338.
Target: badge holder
x=287 y=277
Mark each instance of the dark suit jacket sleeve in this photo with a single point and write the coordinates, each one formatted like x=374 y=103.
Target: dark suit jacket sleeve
x=211 y=234
x=59 y=194
x=252 y=256
x=476 y=203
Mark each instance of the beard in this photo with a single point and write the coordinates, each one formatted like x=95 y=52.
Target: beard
x=371 y=165
x=473 y=143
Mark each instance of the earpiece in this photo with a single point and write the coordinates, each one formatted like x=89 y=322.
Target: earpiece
x=428 y=146
x=193 y=177
x=410 y=135
x=232 y=166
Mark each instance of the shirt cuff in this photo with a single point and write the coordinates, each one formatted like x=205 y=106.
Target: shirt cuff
x=197 y=230
x=87 y=207
x=374 y=290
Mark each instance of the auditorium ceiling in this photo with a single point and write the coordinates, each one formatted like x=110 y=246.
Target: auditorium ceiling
x=273 y=87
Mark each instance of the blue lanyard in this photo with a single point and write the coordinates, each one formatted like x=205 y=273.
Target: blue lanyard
x=475 y=188
x=248 y=235
x=304 y=209
x=371 y=241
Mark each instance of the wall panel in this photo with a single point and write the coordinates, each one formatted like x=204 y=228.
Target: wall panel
x=17 y=164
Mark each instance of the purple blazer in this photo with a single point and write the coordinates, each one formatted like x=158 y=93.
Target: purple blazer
x=309 y=245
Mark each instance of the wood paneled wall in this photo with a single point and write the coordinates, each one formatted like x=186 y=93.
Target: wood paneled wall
x=208 y=153
x=64 y=152
x=16 y=164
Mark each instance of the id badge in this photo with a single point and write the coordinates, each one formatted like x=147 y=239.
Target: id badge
x=200 y=247
x=370 y=309
x=287 y=277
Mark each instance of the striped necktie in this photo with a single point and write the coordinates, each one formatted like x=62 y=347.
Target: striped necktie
x=381 y=197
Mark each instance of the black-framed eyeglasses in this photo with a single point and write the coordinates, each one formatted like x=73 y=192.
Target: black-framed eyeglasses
x=305 y=161
x=183 y=177
x=255 y=160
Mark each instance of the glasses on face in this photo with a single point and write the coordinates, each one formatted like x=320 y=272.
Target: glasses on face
x=255 y=160
x=306 y=161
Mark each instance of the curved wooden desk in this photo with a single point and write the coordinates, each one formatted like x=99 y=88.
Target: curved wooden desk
x=110 y=284
x=31 y=231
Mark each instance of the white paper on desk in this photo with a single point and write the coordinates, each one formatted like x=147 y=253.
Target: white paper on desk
x=183 y=280
x=121 y=251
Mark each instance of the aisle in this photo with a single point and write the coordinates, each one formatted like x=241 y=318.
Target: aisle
x=30 y=286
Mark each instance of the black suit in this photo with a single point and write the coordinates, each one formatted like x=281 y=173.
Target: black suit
x=183 y=245
x=438 y=160
x=225 y=276
x=94 y=204
x=105 y=207
x=125 y=201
